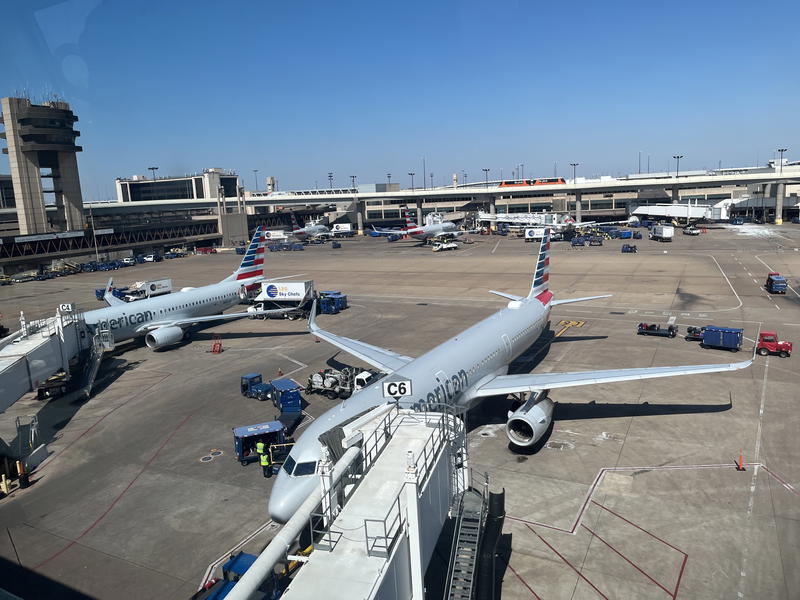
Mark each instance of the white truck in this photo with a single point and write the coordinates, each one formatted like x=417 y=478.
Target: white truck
x=148 y=289
x=534 y=234
x=284 y=294
x=662 y=233
x=334 y=383
x=277 y=235
x=342 y=229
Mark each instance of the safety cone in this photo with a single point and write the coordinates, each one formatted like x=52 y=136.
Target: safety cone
x=740 y=466
x=280 y=373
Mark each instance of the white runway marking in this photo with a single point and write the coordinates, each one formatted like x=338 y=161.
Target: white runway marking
x=495 y=246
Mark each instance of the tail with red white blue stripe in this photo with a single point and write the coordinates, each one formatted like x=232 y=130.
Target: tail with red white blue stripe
x=410 y=220
x=295 y=226
x=540 y=288
x=253 y=261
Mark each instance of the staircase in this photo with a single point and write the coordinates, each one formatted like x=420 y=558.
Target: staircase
x=101 y=341
x=466 y=543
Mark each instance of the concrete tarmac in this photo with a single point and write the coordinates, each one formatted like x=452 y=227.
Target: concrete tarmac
x=634 y=493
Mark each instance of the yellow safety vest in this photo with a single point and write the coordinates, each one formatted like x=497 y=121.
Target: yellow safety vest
x=265 y=460
x=260 y=447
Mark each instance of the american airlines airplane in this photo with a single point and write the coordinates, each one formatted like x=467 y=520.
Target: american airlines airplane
x=309 y=231
x=163 y=320
x=462 y=371
x=423 y=233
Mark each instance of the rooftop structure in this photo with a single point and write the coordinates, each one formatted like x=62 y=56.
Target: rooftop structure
x=42 y=138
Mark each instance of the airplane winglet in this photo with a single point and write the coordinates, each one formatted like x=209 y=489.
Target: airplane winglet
x=108 y=296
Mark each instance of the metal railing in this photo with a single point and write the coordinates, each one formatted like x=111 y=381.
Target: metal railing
x=388 y=531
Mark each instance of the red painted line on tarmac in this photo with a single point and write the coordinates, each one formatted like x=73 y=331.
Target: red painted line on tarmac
x=121 y=494
x=525 y=583
x=653 y=535
x=781 y=480
x=629 y=561
x=680 y=577
x=569 y=564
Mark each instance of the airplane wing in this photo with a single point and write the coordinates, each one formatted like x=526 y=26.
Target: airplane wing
x=514 y=384
x=192 y=320
x=385 y=360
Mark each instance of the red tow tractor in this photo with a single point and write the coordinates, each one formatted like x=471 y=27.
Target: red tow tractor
x=768 y=343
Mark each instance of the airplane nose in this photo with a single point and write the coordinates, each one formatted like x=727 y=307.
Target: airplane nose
x=280 y=508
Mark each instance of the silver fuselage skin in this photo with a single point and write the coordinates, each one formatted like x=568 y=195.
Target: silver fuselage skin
x=448 y=373
x=312 y=231
x=131 y=319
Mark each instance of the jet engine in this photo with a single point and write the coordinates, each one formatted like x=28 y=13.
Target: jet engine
x=163 y=336
x=529 y=422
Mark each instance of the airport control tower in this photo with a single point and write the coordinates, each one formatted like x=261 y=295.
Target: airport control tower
x=41 y=146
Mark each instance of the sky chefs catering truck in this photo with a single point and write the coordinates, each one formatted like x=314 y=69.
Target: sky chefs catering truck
x=662 y=233
x=285 y=294
x=342 y=229
x=534 y=234
x=148 y=289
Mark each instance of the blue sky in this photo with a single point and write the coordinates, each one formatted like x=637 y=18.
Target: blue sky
x=297 y=89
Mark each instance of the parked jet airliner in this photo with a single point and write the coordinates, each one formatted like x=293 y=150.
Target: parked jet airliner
x=423 y=233
x=309 y=231
x=462 y=371
x=163 y=319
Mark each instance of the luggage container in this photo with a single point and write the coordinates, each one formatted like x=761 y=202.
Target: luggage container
x=726 y=338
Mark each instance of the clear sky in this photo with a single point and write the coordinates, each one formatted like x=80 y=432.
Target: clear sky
x=296 y=89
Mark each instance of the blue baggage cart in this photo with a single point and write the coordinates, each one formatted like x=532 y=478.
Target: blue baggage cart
x=246 y=437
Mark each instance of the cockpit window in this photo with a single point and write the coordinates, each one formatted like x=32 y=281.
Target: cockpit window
x=288 y=465
x=305 y=468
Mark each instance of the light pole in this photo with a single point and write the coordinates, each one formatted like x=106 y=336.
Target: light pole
x=486 y=176
x=431 y=176
x=411 y=173
x=255 y=179
x=353 y=182
x=389 y=179
x=781 y=150
x=574 y=177
x=465 y=177
x=153 y=169
x=678 y=158
x=522 y=173
x=330 y=180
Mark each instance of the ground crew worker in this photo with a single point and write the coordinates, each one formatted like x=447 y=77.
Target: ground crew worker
x=265 y=465
x=260 y=447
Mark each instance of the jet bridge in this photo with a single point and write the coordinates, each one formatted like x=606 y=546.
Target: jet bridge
x=40 y=348
x=377 y=514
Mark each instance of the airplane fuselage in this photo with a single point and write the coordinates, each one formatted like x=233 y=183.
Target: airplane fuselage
x=130 y=320
x=426 y=232
x=447 y=374
x=312 y=231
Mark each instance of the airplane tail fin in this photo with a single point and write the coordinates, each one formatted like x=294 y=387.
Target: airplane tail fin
x=409 y=220
x=253 y=259
x=295 y=226
x=540 y=287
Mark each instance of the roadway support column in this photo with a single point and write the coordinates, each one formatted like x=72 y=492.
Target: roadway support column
x=419 y=212
x=578 y=206
x=676 y=197
x=414 y=541
x=780 y=196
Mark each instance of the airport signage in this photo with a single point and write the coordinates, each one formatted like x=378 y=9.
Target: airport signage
x=35 y=238
x=65 y=308
x=397 y=389
x=69 y=234
x=104 y=231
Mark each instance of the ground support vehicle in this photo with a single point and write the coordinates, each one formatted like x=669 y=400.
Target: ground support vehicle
x=737 y=221
x=776 y=283
x=146 y=289
x=768 y=343
x=691 y=231
x=295 y=295
x=5 y=280
x=595 y=241
x=252 y=386
x=440 y=246
x=625 y=234
x=662 y=233
x=725 y=338
x=339 y=299
x=653 y=329
x=694 y=334
x=626 y=248
x=335 y=384
x=578 y=241
x=246 y=437
x=285 y=396
x=637 y=235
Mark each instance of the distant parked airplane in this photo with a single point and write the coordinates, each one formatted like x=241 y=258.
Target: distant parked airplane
x=435 y=231
x=309 y=231
x=461 y=371
x=163 y=320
